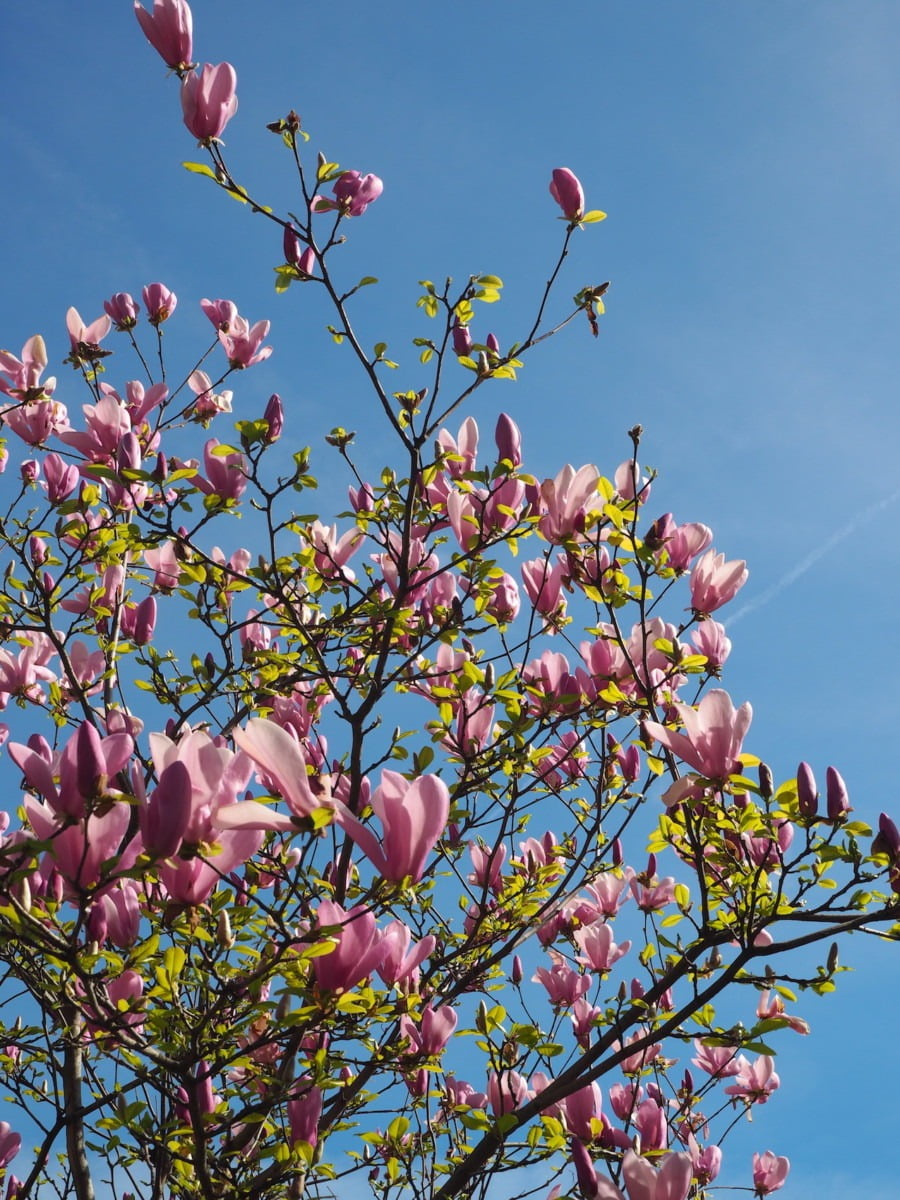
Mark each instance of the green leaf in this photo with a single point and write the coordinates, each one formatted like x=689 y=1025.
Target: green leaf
x=594 y=215
x=200 y=169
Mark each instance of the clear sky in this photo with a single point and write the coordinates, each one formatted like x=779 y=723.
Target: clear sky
x=748 y=156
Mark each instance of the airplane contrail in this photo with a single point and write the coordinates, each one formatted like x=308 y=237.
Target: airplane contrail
x=812 y=558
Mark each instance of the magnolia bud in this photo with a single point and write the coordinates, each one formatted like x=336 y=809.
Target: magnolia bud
x=766 y=783
x=224 y=936
x=274 y=418
x=807 y=792
x=518 y=973
x=836 y=799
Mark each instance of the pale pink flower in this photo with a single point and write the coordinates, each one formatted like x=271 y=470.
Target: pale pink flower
x=754 y=1081
x=598 y=950
x=769 y=1172
x=711 y=640
x=413 y=816
x=684 y=544
x=85 y=338
x=567 y=500
x=714 y=734
x=243 y=343
x=671 y=1182
x=208 y=100
x=714 y=581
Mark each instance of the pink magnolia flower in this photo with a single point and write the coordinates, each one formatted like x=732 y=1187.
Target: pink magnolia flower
x=581 y=1111
x=717 y=1061
x=121 y=308
x=568 y=193
x=754 y=1081
x=769 y=1172
x=508 y=438
x=714 y=581
x=208 y=403
x=243 y=343
x=168 y=30
x=685 y=543
x=163 y=561
x=226 y=474
x=358 y=947
x=304 y=1110
x=159 y=301
x=837 y=801
x=208 y=100
x=433 y=1032
x=281 y=764
x=544 y=584
x=402 y=960
x=714 y=734
x=671 y=1182
x=711 y=640
x=353 y=194
x=564 y=985
x=567 y=500
x=598 y=950
x=413 y=817
x=10 y=1144
x=23 y=376
x=771 y=1008
x=85 y=338
x=506 y=1091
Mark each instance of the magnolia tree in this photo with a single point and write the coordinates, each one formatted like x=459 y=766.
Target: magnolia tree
x=255 y=944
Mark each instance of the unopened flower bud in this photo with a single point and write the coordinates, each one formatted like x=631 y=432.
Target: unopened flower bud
x=29 y=471
x=807 y=792
x=274 y=417
x=766 y=782
x=224 y=936
x=836 y=799
x=517 y=974
x=462 y=340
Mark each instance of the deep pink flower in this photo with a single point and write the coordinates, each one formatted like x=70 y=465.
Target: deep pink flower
x=568 y=193
x=159 y=302
x=413 y=817
x=714 y=733
x=714 y=581
x=208 y=100
x=837 y=801
x=357 y=951
x=304 y=1110
x=355 y=192
x=168 y=30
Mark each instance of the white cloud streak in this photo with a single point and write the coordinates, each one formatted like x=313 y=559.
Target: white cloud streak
x=796 y=572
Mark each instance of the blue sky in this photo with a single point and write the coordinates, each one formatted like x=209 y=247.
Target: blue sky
x=748 y=158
